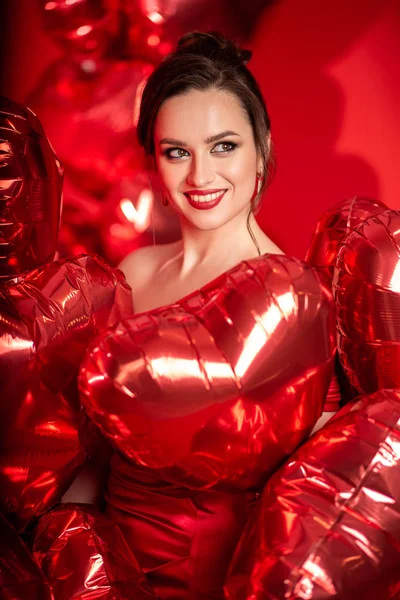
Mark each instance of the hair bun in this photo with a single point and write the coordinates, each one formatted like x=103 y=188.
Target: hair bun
x=213 y=45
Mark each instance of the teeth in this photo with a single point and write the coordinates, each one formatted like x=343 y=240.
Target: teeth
x=206 y=198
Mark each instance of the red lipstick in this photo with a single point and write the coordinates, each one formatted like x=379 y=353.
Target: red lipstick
x=198 y=198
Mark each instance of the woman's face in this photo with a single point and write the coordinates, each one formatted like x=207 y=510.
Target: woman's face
x=206 y=157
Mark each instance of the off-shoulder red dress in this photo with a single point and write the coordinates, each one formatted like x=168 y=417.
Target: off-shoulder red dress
x=202 y=401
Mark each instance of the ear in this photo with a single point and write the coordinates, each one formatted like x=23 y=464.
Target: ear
x=269 y=144
x=260 y=163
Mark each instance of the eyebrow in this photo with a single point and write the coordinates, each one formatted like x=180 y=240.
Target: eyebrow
x=209 y=140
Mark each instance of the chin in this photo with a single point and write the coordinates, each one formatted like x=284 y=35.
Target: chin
x=209 y=220
x=211 y=223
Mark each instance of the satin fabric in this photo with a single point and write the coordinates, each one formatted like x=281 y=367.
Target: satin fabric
x=202 y=401
x=182 y=538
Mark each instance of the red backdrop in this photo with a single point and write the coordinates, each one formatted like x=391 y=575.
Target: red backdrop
x=329 y=73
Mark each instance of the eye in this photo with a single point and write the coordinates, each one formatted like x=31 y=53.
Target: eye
x=224 y=147
x=175 y=153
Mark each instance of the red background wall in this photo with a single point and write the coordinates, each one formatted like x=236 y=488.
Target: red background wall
x=329 y=73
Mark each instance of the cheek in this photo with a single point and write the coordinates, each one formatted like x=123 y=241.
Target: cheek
x=243 y=171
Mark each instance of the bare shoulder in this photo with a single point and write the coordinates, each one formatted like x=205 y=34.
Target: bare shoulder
x=138 y=258
x=269 y=247
x=141 y=265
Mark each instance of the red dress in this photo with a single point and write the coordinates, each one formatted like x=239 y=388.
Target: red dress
x=202 y=401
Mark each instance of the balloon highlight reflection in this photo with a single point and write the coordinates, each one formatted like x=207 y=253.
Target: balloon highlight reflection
x=328 y=522
x=367 y=291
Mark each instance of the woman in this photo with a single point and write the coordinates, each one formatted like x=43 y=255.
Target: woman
x=205 y=125
x=204 y=393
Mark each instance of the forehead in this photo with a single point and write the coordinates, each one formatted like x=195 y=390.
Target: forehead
x=197 y=115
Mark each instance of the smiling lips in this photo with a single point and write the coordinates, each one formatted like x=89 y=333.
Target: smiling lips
x=204 y=199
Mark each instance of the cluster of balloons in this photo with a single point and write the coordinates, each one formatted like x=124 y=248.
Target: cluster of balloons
x=242 y=382
x=328 y=522
x=49 y=311
x=250 y=394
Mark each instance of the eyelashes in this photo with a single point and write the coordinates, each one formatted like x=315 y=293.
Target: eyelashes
x=220 y=148
x=231 y=147
x=175 y=153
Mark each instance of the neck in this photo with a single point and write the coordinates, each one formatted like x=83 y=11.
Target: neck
x=226 y=245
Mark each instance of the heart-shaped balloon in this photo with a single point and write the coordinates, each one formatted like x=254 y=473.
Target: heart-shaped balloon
x=46 y=322
x=84 y=555
x=328 y=523
x=367 y=292
x=84 y=28
x=20 y=577
x=331 y=231
x=156 y=25
x=216 y=390
x=30 y=191
x=333 y=227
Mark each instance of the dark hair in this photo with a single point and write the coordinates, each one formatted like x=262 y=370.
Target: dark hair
x=205 y=61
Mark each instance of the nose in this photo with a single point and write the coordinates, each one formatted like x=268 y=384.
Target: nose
x=201 y=172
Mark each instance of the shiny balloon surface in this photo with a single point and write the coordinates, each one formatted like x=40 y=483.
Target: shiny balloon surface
x=328 y=524
x=46 y=323
x=367 y=291
x=84 y=555
x=203 y=399
x=156 y=25
x=333 y=227
x=84 y=28
x=331 y=231
x=219 y=388
x=30 y=191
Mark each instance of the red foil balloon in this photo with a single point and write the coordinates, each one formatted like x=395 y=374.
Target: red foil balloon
x=156 y=25
x=328 y=524
x=84 y=28
x=333 y=227
x=367 y=291
x=30 y=191
x=90 y=119
x=203 y=399
x=84 y=555
x=20 y=577
x=46 y=323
